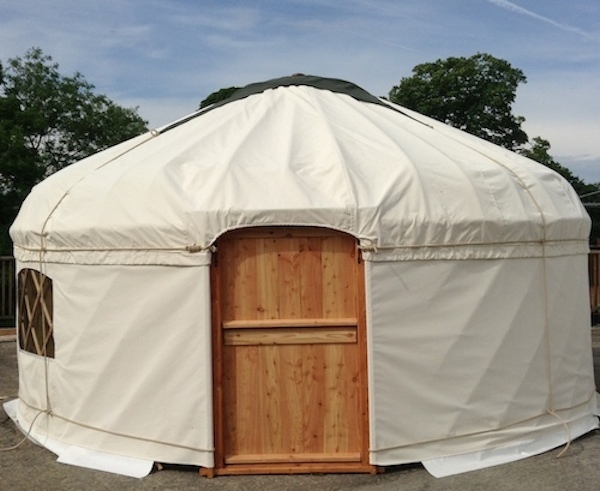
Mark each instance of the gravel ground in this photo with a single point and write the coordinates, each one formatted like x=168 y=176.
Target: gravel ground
x=31 y=467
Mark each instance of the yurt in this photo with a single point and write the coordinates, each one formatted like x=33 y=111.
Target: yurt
x=303 y=278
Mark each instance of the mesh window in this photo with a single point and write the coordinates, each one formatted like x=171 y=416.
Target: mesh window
x=35 y=313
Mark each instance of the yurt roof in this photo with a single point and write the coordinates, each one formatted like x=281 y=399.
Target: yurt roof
x=300 y=151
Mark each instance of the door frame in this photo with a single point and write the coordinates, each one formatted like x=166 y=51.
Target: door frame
x=220 y=467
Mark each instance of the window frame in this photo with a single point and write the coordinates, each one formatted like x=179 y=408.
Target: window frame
x=35 y=326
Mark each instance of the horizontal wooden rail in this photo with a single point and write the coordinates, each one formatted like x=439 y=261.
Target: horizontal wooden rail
x=281 y=323
x=300 y=457
x=287 y=335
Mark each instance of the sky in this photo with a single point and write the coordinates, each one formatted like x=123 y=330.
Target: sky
x=165 y=56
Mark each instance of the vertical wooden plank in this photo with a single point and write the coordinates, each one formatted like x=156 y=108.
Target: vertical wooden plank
x=313 y=401
x=219 y=416
x=288 y=277
x=229 y=406
x=238 y=279
x=291 y=409
x=362 y=359
x=334 y=434
x=266 y=271
x=338 y=277
x=342 y=385
x=246 y=292
x=311 y=278
x=274 y=427
x=250 y=405
x=268 y=365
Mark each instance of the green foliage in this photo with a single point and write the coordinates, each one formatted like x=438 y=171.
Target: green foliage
x=474 y=94
x=19 y=168
x=64 y=120
x=539 y=151
x=48 y=121
x=217 y=96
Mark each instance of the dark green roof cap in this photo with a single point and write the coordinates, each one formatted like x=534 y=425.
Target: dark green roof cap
x=331 y=84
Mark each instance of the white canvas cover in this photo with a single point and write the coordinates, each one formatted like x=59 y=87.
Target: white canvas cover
x=478 y=326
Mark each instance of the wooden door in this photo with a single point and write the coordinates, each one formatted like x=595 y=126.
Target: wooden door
x=289 y=348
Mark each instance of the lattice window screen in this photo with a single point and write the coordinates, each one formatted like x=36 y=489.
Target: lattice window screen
x=35 y=313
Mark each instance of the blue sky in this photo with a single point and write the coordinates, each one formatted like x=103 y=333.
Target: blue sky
x=166 y=56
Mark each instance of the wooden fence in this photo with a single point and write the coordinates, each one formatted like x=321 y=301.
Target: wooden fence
x=594 y=272
x=8 y=294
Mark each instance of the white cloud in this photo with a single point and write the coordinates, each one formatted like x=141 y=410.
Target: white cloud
x=505 y=4
x=218 y=18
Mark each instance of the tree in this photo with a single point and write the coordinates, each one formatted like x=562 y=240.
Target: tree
x=474 y=94
x=217 y=96
x=48 y=121
x=19 y=169
x=65 y=120
x=539 y=151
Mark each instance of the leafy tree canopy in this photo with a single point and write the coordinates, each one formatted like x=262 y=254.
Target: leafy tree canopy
x=48 y=121
x=64 y=120
x=474 y=94
x=539 y=151
x=217 y=96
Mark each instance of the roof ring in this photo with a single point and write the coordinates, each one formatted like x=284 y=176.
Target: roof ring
x=298 y=75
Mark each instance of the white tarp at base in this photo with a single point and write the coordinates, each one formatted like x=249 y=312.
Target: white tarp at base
x=79 y=456
x=526 y=447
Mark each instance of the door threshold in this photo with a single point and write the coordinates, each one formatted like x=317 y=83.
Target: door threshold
x=290 y=468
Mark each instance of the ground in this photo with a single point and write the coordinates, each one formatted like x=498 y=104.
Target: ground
x=32 y=467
